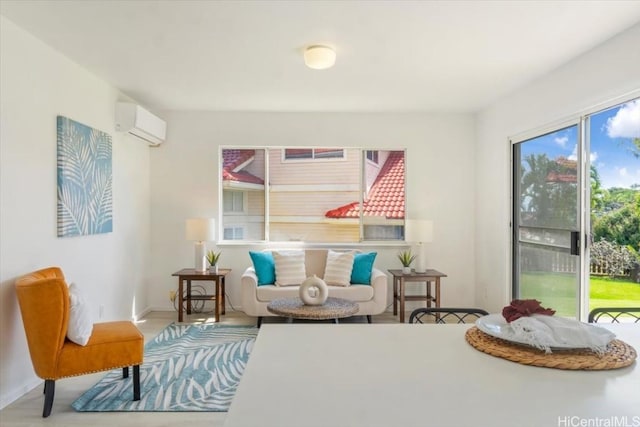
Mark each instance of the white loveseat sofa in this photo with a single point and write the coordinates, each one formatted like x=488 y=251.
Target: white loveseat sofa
x=371 y=298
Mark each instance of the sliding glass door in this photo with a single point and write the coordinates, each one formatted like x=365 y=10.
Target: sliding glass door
x=613 y=136
x=547 y=223
x=576 y=213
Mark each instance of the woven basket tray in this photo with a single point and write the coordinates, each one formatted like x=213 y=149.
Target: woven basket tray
x=619 y=354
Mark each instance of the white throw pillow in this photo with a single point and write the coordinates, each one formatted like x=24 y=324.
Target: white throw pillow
x=80 y=321
x=290 y=269
x=338 y=269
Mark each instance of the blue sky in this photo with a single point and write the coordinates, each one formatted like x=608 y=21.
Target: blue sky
x=611 y=134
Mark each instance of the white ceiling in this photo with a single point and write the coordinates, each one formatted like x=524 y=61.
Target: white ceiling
x=454 y=56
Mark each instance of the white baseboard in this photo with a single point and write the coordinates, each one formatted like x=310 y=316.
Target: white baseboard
x=8 y=398
x=165 y=308
x=160 y=308
x=140 y=315
x=149 y=309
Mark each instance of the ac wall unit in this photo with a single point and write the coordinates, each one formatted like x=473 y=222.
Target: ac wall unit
x=139 y=122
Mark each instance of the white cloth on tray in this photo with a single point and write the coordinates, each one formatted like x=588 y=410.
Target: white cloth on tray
x=545 y=332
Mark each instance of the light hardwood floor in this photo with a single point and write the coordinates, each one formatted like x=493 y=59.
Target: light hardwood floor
x=27 y=411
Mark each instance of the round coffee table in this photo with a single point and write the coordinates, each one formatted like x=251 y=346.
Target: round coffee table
x=294 y=308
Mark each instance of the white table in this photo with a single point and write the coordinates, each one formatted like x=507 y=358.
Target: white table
x=308 y=375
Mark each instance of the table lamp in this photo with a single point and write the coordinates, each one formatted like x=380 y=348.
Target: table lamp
x=201 y=230
x=419 y=231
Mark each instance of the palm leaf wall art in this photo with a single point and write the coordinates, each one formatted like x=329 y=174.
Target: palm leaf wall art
x=85 y=178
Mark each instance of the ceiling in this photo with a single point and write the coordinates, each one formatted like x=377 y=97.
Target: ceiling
x=445 y=56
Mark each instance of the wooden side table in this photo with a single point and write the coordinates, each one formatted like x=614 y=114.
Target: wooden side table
x=190 y=274
x=400 y=278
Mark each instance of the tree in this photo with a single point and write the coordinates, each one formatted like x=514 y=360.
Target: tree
x=621 y=225
x=598 y=194
x=533 y=194
x=613 y=259
x=636 y=150
x=548 y=192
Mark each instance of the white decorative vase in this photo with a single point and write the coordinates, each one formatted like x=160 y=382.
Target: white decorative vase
x=314 y=291
x=213 y=269
x=406 y=270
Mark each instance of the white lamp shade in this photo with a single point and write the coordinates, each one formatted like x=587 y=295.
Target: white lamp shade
x=319 y=57
x=418 y=230
x=201 y=229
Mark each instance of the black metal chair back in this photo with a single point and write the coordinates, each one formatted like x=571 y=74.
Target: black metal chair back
x=446 y=315
x=615 y=315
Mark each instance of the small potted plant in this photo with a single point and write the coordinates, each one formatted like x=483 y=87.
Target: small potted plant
x=406 y=258
x=213 y=258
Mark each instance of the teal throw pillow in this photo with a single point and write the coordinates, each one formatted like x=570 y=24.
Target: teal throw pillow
x=265 y=267
x=362 y=266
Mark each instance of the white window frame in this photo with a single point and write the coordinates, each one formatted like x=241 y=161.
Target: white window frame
x=267 y=219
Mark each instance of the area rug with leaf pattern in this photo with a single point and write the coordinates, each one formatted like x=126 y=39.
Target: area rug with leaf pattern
x=186 y=368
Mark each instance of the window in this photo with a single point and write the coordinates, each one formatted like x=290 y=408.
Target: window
x=243 y=194
x=383 y=232
x=233 y=202
x=233 y=233
x=276 y=198
x=313 y=153
x=372 y=156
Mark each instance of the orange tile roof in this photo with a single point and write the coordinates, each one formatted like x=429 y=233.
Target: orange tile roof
x=232 y=159
x=567 y=171
x=386 y=197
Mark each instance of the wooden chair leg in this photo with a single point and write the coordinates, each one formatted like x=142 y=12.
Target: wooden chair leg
x=259 y=321
x=369 y=318
x=136 y=382
x=125 y=372
x=49 y=391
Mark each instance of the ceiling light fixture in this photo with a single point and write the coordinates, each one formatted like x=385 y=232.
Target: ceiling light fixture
x=319 y=57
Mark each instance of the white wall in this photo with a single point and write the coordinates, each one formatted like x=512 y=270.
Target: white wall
x=37 y=84
x=440 y=173
x=608 y=72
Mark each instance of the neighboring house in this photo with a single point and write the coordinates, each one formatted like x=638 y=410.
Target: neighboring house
x=383 y=205
x=563 y=170
x=305 y=185
x=243 y=194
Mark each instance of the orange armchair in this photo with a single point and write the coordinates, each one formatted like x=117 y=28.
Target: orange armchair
x=44 y=303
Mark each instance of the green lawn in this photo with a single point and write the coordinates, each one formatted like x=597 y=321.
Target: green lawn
x=557 y=291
